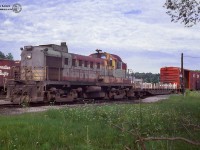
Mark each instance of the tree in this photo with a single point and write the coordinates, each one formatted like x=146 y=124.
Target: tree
x=147 y=77
x=185 y=11
x=9 y=56
x=2 y=55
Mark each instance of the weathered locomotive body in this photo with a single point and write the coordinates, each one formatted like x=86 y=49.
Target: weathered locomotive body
x=50 y=73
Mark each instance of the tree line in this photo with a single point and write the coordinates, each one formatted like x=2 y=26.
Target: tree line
x=8 y=56
x=147 y=77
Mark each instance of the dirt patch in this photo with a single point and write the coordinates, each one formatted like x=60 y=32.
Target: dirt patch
x=155 y=98
x=16 y=111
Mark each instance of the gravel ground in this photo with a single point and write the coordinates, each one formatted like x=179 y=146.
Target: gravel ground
x=155 y=98
x=16 y=111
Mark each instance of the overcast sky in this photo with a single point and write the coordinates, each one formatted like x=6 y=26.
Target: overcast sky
x=139 y=31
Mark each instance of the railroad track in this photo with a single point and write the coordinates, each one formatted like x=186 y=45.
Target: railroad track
x=10 y=109
x=79 y=102
x=9 y=106
x=83 y=102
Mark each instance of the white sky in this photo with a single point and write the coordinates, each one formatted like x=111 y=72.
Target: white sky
x=138 y=31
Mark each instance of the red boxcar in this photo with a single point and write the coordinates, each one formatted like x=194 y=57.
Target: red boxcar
x=6 y=71
x=173 y=74
x=194 y=80
x=170 y=75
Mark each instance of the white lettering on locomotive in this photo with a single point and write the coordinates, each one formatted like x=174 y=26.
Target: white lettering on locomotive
x=5 y=67
x=3 y=73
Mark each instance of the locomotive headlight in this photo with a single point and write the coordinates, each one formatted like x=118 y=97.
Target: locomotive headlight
x=29 y=56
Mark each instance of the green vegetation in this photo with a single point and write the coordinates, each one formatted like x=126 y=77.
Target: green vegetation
x=148 y=77
x=3 y=56
x=106 y=127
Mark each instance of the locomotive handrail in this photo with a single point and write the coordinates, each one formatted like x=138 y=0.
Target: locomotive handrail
x=77 y=74
x=59 y=74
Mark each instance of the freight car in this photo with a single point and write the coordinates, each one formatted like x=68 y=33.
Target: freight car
x=7 y=70
x=174 y=75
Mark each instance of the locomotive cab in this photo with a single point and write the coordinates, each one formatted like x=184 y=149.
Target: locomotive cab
x=112 y=64
x=32 y=63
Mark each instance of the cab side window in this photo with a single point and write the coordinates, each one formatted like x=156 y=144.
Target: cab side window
x=91 y=65
x=98 y=65
x=74 y=62
x=66 y=61
x=80 y=63
x=85 y=64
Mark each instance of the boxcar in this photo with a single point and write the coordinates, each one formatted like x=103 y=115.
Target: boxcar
x=173 y=75
x=194 y=80
x=170 y=75
x=7 y=71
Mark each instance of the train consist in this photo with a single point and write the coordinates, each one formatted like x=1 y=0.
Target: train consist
x=50 y=73
x=174 y=75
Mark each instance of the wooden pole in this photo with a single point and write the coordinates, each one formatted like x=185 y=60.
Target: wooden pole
x=182 y=73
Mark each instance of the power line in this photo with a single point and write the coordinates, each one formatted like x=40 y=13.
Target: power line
x=191 y=56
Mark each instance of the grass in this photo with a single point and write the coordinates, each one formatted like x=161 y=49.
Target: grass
x=105 y=127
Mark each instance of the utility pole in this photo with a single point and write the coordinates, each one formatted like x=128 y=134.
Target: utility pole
x=182 y=75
